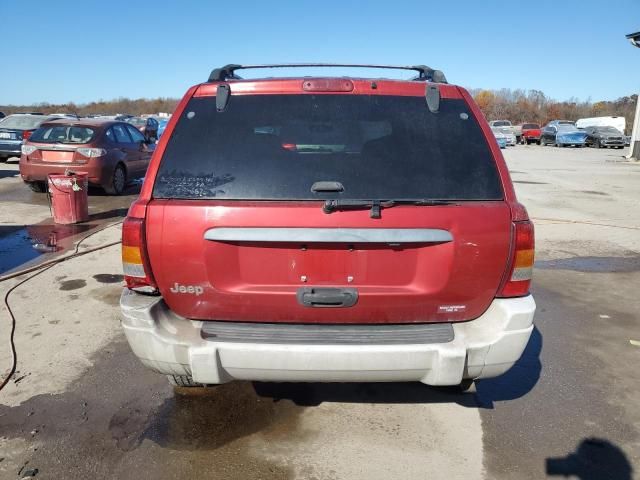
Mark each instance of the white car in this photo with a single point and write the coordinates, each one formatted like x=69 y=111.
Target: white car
x=501 y=138
x=506 y=127
x=510 y=136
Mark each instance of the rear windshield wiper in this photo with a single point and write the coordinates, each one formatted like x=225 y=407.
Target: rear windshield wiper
x=376 y=205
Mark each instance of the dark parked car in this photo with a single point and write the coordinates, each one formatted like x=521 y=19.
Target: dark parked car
x=162 y=124
x=2 y=115
x=148 y=126
x=292 y=230
x=562 y=135
x=16 y=128
x=111 y=152
x=600 y=137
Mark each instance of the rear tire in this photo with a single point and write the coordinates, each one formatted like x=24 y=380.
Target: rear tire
x=118 y=181
x=184 y=386
x=468 y=385
x=183 y=381
x=38 y=187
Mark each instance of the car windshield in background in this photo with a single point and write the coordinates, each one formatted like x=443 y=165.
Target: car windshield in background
x=501 y=124
x=62 y=134
x=22 y=122
x=137 y=121
x=278 y=146
x=609 y=130
x=530 y=126
x=567 y=127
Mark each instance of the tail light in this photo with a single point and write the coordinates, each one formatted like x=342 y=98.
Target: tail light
x=520 y=269
x=92 y=152
x=327 y=85
x=28 y=149
x=26 y=134
x=135 y=261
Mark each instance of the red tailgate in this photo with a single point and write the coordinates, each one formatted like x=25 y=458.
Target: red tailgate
x=258 y=280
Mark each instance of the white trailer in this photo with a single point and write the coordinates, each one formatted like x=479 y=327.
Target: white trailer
x=618 y=123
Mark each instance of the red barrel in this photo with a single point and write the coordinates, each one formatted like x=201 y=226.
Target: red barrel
x=69 y=201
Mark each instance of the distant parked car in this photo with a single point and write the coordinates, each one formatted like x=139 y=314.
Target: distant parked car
x=148 y=126
x=2 y=115
x=511 y=137
x=64 y=115
x=531 y=133
x=563 y=135
x=506 y=125
x=600 y=137
x=501 y=138
x=162 y=124
x=561 y=122
x=16 y=128
x=111 y=152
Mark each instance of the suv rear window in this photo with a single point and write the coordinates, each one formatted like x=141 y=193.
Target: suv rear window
x=62 y=134
x=275 y=147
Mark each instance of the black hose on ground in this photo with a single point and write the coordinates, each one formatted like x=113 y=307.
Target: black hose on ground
x=38 y=269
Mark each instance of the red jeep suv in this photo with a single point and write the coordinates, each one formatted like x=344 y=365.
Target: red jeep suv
x=327 y=229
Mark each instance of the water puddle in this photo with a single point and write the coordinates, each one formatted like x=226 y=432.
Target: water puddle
x=22 y=245
x=107 y=419
x=591 y=264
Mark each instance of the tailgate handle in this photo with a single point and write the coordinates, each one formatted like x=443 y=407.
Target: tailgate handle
x=324 y=297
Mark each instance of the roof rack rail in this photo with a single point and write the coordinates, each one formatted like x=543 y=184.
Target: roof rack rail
x=425 y=74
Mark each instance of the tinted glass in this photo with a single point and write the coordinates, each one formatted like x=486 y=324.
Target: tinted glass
x=135 y=134
x=610 y=130
x=63 y=134
x=278 y=146
x=121 y=134
x=22 y=122
x=110 y=135
x=502 y=123
x=530 y=126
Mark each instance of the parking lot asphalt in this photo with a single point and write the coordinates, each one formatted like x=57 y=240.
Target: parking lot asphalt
x=81 y=406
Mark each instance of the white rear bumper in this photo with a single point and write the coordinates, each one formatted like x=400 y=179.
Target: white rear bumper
x=481 y=348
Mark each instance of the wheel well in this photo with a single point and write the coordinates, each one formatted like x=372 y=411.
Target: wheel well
x=124 y=167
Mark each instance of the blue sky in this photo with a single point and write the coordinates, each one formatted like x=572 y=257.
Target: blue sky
x=59 y=51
